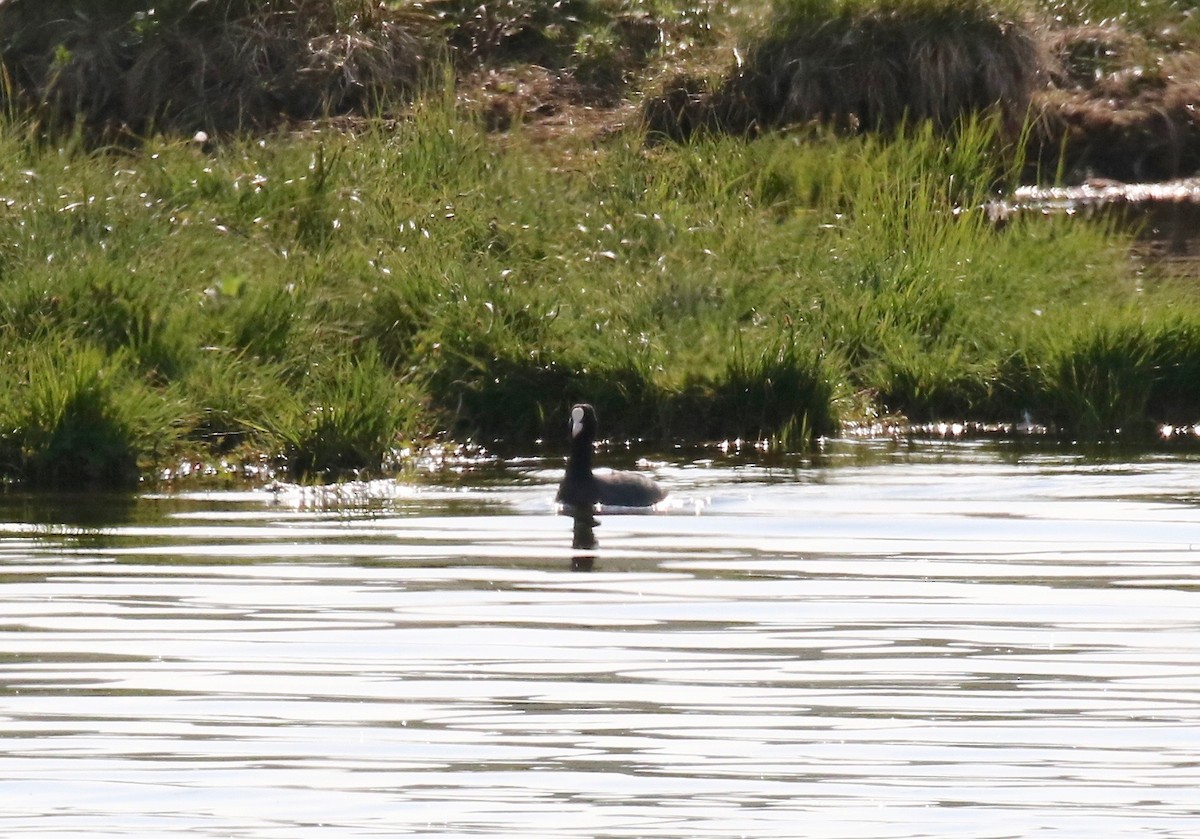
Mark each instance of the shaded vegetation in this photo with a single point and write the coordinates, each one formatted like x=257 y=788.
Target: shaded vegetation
x=125 y=66
x=872 y=64
x=1110 y=87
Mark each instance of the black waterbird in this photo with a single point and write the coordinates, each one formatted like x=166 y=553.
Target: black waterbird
x=581 y=490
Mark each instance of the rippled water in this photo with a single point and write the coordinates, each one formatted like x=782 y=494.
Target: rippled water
x=891 y=641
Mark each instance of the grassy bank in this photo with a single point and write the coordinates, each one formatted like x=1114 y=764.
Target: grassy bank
x=332 y=297
x=325 y=299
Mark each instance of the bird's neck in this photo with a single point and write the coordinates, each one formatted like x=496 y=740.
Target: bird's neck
x=580 y=462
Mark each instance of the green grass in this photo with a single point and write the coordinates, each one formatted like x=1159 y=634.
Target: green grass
x=326 y=299
x=78 y=416
x=1119 y=375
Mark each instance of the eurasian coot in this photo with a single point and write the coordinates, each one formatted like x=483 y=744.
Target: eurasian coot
x=581 y=489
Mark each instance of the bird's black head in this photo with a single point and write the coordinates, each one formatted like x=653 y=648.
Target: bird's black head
x=583 y=422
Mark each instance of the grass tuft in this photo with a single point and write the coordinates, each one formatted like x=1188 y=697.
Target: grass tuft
x=869 y=65
x=784 y=393
x=347 y=420
x=76 y=416
x=126 y=67
x=1122 y=376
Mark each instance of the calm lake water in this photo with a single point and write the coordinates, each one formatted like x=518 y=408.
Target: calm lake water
x=889 y=640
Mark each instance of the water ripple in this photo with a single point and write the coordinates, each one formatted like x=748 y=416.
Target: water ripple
x=940 y=644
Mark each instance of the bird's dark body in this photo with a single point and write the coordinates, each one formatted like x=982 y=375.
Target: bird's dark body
x=581 y=488
x=614 y=489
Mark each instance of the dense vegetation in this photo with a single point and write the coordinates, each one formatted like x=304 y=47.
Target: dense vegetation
x=331 y=296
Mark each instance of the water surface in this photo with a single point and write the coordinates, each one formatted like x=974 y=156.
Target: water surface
x=888 y=640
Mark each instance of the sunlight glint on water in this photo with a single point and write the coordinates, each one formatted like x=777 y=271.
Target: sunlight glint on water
x=939 y=642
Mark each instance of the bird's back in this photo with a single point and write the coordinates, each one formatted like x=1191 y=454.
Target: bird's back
x=611 y=489
x=628 y=489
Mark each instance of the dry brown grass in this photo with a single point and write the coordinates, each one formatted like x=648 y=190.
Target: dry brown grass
x=1107 y=98
x=1100 y=99
x=868 y=65
x=1117 y=109
x=212 y=67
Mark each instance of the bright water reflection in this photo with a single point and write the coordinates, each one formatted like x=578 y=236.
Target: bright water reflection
x=894 y=642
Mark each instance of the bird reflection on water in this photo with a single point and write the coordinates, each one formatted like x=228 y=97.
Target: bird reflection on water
x=584 y=539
